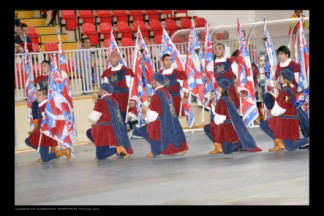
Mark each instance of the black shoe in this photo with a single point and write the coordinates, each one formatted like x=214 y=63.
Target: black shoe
x=242 y=149
x=50 y=24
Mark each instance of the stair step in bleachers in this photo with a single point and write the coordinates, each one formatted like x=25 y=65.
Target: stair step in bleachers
x=46 y=29
x=25 y=14
x=52 y=38
x=34 y=21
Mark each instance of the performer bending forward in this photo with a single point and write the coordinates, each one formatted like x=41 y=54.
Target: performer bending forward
x=228 y=131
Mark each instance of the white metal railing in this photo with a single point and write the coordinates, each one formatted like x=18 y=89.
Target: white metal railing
x=86 y=66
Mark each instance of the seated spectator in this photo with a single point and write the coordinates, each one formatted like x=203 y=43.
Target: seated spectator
x=20 y=40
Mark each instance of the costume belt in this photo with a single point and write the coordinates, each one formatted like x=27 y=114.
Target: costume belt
x=227 y=121
x=172 y=93
x=117 y=89
x=104 y=123
x=288 y=116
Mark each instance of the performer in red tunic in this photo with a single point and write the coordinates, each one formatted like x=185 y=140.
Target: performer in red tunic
x=174 y=79
x=119 y=76
x=163 y=130
x=286 y=62
x=46 y=142
x=41 y=81
x=108 y=128
x=226 y=67
x=228 y=127
x=283 y=127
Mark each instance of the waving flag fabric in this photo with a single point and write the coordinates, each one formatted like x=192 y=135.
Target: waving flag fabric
x=143 y=72
x=147 y=68
x=209 y=66
x=194 y=67
x=59 y=121
x=245 y=80
x=29 y=86
x=167 y=46
x=303 y=59
x=113 y=47
x=271 y=58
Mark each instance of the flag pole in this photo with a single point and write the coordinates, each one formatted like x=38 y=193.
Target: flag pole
x=132 y=78
x=40 y=138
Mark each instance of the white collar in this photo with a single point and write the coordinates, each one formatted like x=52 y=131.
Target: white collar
x=168 y=71
x=105 y=95
x=42 y=103
x=286 y=63
x=158 y=87
x=117 y=68
x=291 y=85
x=220 y=59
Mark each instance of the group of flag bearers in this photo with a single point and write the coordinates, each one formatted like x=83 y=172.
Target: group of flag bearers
x=158 y=118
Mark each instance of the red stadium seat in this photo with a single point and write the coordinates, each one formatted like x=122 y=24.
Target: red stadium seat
x=171 y=25
x=87 y=16
x=181 y=13
x=200 y=22
x=33 y=35
x=90 y=31
x=142 y=26
x=157 y=39
x=121 y=15
x=185 y=23
x=70 y=19
x=152 y=15
x=105 y=16
x=49 y=47
x=156 y=27
x=36 y=47
x=124 y=29
x=165 y=14
x=105 y=29
x=178 y=39
x=137 y=15
x=106 y=43
x=127 y=42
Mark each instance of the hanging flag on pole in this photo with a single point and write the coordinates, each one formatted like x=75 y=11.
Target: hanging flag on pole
x=303 y=59
x=29 y=86
x=112 y=48
x=193 y=66
x=245 y=80
x=271 y=59
x=146 y=61
x=143 y=72
x=209 y=66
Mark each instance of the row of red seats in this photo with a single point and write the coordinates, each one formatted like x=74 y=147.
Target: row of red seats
x=125 y=31
x=121 y=15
